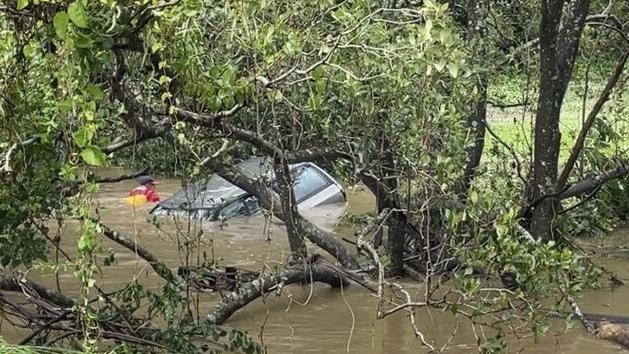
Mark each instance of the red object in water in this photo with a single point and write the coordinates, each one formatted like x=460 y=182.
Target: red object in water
x=148 y=191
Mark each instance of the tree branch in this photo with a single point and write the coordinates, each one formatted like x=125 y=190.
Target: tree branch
x=507 y=105
x=132 y=142
x=315 y=155
x=374 y=225
x=589 y=122
x=300 y=274
x=589 y=184
x=30 y=288
x=158 y=266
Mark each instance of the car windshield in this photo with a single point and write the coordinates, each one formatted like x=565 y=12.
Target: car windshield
x=307 y=181
x=212 y=193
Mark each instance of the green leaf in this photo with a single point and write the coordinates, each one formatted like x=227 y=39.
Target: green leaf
x=473 y=197
x=21 y=4
x=77 y=14
x=83 y=136
x=60 y=22
x=454 y=70
x=94 y=90
x=93 y=156
x=314 y=101
x=320 y=86
x=83 y=41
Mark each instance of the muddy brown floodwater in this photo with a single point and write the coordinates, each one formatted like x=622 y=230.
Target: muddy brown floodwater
x=315 y=319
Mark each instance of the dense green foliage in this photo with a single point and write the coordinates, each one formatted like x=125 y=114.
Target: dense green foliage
x=87 y=84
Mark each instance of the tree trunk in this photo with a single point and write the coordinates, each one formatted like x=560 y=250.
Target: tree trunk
x=397 y=221
x=476 y=120
x=289 y=209
x=558 y=49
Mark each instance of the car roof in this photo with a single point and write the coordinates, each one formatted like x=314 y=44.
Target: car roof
x=215 y=190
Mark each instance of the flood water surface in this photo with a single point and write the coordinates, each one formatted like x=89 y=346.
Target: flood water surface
x=310 y=319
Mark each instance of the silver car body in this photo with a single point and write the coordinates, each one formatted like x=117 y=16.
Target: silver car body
x=217 y=199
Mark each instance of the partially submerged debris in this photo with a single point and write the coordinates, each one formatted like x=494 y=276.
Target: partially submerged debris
x=206 y=279
x=612 y=332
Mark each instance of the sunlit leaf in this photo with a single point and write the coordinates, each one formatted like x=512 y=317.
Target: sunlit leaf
x=60 y=22
x=21 y=4
x=93 y=156
x=76 y=11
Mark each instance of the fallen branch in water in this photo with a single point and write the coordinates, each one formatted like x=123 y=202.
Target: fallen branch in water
x=603 y=329
x=158 y=266
x=298 y=274
x=31 y=289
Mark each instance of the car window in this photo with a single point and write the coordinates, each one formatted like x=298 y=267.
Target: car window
x=240 y=207
x=307 y=181
x=235 y=208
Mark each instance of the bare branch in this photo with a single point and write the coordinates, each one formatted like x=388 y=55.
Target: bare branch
x=518 y=165
x=158 y=266
x=507 y=105
x=314 y=155
x=374 y=226
x=300 y=274
x=6 y=166
x=589 y=184
x=30 y=288
x=589 y=122
x=131 y=142
x=216 y=154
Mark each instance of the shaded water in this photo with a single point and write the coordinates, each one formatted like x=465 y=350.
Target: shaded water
x=315 y=319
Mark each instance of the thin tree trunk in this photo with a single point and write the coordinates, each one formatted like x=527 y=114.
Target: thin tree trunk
x=397 y=221
x=289 y=209
x=476 y=120
x=558 y=49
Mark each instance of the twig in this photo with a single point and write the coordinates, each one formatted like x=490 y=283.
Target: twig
x=6 y=167
x=411 y=313
x=216 y=154
x=374 y=226
x=511 y=150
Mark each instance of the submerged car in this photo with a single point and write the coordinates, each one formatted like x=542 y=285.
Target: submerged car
x=218 y=199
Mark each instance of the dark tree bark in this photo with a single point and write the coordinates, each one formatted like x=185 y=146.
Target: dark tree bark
x=590 y=184
x=397 y=221
x=302 y=274
x=289 y=208
x=13 y=284
x=476 y=120
x=158 y=266
x=559 y=43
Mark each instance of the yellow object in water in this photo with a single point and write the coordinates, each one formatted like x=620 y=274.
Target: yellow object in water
x=137 y=200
